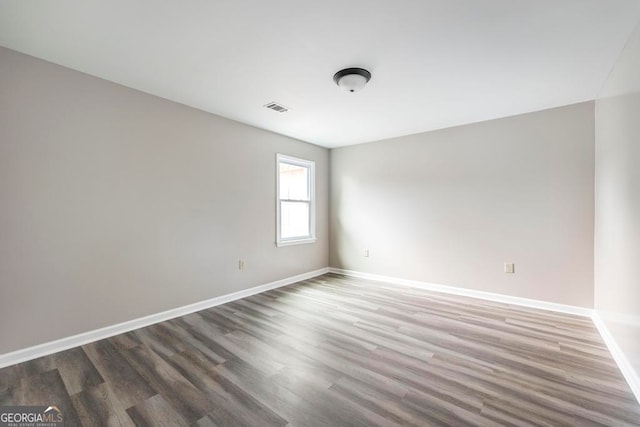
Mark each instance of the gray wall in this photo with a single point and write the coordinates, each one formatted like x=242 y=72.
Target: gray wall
x=117 y=204
x=451 y=206
x=617 y=243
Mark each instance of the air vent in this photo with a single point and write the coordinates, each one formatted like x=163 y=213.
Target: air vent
x=277 y=107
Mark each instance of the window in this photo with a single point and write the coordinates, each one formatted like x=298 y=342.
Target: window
x=296 y=201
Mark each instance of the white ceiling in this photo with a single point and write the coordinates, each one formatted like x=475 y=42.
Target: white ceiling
x=435 y=63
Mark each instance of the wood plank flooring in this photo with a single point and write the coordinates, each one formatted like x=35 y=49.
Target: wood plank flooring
x=338 y=351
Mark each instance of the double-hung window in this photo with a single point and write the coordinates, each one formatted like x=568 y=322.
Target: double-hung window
x=296 y=201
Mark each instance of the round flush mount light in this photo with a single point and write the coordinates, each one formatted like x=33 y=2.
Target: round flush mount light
x=352 y=79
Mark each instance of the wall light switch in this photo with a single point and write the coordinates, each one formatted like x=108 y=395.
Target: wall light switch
x=241 y=264
x=509 y=267
x=366 y=253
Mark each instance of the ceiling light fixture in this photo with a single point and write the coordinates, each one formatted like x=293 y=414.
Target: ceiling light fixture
x=352 y=79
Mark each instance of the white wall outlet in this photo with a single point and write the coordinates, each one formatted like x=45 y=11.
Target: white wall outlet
x=509 y=267
x=366 y=253
x=241 y=264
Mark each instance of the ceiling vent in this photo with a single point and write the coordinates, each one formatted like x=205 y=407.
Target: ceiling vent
x=277 y=107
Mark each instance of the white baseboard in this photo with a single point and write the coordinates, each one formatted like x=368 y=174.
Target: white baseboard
x=525 y=302
x=629 y=373
x=44 y=349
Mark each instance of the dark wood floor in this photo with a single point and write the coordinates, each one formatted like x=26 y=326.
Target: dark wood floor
x=336 y=351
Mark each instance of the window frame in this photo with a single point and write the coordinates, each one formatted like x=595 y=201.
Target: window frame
x=311 y=167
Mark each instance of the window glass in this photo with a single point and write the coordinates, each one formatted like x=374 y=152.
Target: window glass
x=295 y=201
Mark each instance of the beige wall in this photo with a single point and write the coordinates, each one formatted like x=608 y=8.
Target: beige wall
x=617 y=243
x=117 y=204
x=451 y=206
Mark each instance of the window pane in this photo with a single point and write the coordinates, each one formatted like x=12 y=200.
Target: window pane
x=294 y=217
x=294 y=182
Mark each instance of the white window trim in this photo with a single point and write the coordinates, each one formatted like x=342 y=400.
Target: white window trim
x=312 y=200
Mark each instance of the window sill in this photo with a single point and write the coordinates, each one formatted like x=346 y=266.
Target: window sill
x=296 y=242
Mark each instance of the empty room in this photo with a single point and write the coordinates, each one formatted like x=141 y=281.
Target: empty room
x=297 y=213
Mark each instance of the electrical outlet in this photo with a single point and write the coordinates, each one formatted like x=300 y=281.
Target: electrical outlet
x=366 y=253
x=241 y=264
x=509 y=267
